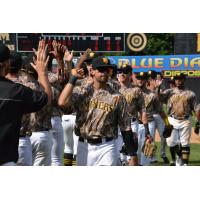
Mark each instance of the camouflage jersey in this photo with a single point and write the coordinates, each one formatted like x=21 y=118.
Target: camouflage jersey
x=135 y=101
x=88 y=81
x=53 y=79
x=180 y=103
x=84 y=82
x=114 y=84
x=151 y=103
x=159 y=107
x=41 y=120
x=99 y=112
x=80 y=83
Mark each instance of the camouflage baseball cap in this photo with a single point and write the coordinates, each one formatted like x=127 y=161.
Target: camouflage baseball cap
x=125 y=69
x=142 y=75
x=152 y=74
x=180 y=76
x=100 y=62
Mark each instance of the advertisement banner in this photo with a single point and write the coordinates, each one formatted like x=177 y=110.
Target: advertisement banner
x=170 y=65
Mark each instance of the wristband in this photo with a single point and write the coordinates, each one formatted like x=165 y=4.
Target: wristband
x=73 y=80
x=146 y=127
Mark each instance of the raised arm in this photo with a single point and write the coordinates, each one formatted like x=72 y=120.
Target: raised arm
x=40 y=66
x=77 y=73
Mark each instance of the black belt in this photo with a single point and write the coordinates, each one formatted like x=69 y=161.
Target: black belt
x=180 y=118
x=96 y=140
x=133 y=119
x=41 y=130
x=23 y=136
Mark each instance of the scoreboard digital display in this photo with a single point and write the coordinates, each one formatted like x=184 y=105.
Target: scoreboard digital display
x=101 y=42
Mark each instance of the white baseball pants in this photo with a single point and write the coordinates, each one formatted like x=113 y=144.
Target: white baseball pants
x=25 y=152
x=181 y=133
x=41 y=148
x=104 y=154
x=70 y=139
x=58 y=141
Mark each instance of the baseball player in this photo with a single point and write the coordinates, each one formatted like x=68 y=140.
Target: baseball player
x=181 y=102
x=171 y=82
x=134 y=98
x=153 y=77
x=68 y=120
x=57 y=81
x=40 y=125
x=100 y=110
x=151 y=104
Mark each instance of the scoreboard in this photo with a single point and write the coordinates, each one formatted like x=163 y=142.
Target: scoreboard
x=101 y=42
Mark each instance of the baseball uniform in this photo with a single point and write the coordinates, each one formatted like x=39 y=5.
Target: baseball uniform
x=180 y=104
x=98 y=115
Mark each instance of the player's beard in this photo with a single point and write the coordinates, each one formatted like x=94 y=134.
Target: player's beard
x=103 y=79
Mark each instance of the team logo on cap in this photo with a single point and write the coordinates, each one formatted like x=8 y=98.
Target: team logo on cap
x=91 y=54
x=141 y=73
x=105 y=60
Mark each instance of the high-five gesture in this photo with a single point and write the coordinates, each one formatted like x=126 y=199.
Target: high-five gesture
x=41 y=62
x=68 y=57
x=40 y=65
x=58 y=51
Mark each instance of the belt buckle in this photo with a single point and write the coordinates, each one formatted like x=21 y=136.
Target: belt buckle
x=85 y=140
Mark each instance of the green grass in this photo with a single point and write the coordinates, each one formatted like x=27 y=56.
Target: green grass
x=194 y=155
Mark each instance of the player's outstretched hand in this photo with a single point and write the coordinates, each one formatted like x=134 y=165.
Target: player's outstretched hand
x=41 y=62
